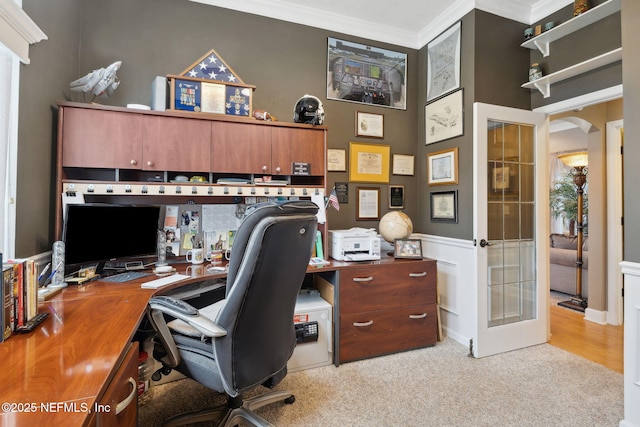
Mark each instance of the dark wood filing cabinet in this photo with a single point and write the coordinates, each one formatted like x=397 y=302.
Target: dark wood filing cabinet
x=387 y=308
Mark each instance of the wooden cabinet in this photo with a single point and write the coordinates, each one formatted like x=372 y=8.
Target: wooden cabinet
x=241 y=148
x=176 y=144
x=386 y=308
x=255 y=149
x=119 y=404
x=289 y=146
x=101 y=139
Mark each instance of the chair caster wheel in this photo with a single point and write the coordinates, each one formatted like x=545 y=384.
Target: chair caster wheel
x=290 y=400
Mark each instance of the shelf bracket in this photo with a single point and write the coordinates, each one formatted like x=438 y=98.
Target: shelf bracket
x=544 y=86
x=543 y=47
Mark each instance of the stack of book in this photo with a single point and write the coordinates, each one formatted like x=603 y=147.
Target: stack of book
x=19 y=293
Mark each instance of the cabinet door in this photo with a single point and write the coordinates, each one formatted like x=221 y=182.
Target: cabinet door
x=299 y=146
x=101 y=139
x=119 y=404
x=241 y=148
x=176 y=144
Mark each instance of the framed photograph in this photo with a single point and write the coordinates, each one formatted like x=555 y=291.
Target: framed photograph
x=500 y=177
x=444 y=206
x=403 y=164
x=407 y=248
x=369 y=162
x=369 y=124
x=442 y=167
x=336 y=160
x=368 y=203
x=443 y=118
x=443 y=63
x=385 y=72
x=396 y=196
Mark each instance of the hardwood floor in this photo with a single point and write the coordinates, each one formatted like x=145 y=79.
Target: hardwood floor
x=602 y=344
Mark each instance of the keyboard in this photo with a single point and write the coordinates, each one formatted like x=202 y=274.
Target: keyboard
x=164 y=281
x=125 y=277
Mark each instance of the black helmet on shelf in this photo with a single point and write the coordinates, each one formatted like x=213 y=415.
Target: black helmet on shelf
x=309 y=110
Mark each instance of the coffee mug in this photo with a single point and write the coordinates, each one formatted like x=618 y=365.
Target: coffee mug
x=216 y=256
x=195 y=256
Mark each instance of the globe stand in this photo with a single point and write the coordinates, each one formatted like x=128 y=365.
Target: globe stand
x=395 y=225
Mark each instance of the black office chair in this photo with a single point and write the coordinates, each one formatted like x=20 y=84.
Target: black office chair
x=246 y=339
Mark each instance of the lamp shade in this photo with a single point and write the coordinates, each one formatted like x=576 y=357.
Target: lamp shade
x=575 y=160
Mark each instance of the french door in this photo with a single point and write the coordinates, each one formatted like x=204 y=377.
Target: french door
x=510 y=225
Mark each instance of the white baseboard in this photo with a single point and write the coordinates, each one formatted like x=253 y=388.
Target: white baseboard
x=596 y=316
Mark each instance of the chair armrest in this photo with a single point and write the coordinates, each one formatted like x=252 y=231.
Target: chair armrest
x=181 y=310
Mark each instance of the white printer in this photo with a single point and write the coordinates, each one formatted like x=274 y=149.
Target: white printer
x=354 y=244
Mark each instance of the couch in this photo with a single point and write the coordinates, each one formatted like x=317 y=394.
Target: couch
x=563 y=255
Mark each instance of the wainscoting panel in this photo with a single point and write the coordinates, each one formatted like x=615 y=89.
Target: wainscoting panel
x=631 y=273
x=457 y=284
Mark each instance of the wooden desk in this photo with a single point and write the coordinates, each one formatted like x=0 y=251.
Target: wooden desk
x=69 y=360
x=72 y=358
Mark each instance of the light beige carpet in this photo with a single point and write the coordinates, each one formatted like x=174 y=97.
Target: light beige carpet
x=435 y=386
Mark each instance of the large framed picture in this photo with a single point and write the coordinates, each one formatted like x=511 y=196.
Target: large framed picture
x=442 y=167
x=444 y=206
x=383 y=73
x=443 y=118
x=369 y=162
x=407 y=248
x=443 y=63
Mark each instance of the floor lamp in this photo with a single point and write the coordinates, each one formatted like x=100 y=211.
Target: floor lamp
x=578 y=163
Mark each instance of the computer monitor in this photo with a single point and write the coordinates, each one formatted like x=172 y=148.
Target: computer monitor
x=97 y=232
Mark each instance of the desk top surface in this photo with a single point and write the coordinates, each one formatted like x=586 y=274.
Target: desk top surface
x=68 y=360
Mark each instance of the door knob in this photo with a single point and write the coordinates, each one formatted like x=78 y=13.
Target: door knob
x=484 y=243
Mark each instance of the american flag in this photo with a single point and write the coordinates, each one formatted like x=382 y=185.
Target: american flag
x=213 y=68
x=333 y=199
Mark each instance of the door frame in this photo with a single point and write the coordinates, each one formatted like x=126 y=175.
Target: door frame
x=615 y=312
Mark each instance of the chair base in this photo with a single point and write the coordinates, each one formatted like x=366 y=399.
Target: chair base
x=229 y=416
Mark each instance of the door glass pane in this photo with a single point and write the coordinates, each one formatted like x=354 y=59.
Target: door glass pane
x=511 y=223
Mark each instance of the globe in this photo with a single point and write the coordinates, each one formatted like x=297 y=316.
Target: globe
x=395 y=225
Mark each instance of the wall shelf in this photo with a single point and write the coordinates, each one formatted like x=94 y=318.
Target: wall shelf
x=543 y=84
x=542 y=41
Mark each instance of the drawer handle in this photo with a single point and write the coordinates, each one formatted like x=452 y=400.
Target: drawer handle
x=424 y=273
x=418 y=316
x=121 y=406
x=362 y=324
x=362 y=279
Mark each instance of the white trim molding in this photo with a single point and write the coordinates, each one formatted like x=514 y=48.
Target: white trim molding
x=17 y=30
x=631 y=272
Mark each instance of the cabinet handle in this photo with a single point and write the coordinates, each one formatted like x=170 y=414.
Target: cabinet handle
x=424 y=273
x=121 y=406
x=418 y=316
x=134 y=162
x=264 y=168
x=362 y=324
x=362 y=279
x=278 y=170
x=149 y=163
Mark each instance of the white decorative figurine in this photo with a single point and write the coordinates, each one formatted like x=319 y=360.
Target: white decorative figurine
x=102 y=82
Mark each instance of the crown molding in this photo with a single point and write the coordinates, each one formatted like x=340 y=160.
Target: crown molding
x=17 y=30
x=517 y=10
x=305 y=15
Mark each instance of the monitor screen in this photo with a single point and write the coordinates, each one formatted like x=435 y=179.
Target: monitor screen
x=97 y=232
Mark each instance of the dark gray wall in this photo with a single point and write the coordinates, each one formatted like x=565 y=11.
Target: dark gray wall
x=631 y=71
x=159 y=37
x=54 y=63
x=489 y=59
x=600 y=37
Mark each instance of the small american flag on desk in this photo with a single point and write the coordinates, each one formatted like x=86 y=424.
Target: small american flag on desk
x=333 y=199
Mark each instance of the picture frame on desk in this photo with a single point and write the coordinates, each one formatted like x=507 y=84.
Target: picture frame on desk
x=407 y=249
